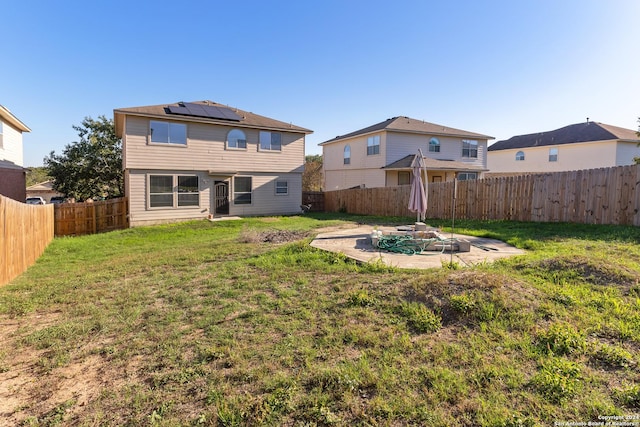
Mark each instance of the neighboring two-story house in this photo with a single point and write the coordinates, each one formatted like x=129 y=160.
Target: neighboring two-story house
x=200 y=159
x=381 y=155
x=12 y=173
x=588 y=145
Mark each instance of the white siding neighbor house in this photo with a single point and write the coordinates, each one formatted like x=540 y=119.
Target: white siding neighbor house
x=203 y=159
x=12 y=173
x=587 y=145
x=381 y=155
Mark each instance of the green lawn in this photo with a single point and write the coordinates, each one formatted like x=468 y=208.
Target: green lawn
x=207 y=323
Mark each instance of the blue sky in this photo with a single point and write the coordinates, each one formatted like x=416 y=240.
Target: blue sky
x=500 y=68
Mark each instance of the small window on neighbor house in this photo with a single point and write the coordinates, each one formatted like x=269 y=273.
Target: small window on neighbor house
x=168 y=133
x=373 y=145
x=242 y=190
x=404 y=178
x=466 y=176
x=282 y=188
x=553 y=154
x=1 y=131
x=469 y=148
x=520 y=155
x=236 y=139
x=434 y=145
x=347 y=155
x=270 y=141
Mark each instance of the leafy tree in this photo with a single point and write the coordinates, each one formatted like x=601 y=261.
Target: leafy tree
x=36 y=175
x=312 y=175
x=92 y=167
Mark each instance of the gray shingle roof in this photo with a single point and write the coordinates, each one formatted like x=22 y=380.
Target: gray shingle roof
x=409 y=125
x=580 y=132
x=248 y=119
x=434 y=164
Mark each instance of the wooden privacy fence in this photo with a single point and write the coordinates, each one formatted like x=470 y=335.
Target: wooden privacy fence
x=74 y=219
x=590 y=196
x=25 y=232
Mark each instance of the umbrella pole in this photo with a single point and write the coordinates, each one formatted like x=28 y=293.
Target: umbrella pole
x=453 y=213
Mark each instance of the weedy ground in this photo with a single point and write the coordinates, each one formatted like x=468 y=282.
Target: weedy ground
x=243 y=323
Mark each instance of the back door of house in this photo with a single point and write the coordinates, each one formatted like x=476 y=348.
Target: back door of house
x=221 y=198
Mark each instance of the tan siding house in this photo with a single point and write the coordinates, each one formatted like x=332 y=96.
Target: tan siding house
x=195 y=160
x=588 y=145
x=381 y=155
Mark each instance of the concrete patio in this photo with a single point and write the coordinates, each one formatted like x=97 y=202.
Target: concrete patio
x=356 y=244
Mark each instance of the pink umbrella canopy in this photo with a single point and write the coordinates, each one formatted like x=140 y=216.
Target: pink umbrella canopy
x=418 y=195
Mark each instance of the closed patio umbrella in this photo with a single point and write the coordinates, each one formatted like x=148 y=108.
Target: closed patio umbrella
x=418 y=195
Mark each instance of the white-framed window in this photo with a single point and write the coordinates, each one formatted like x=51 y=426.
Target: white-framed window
x=173 y=191
x=373 y=145
x=236 y=139
x=469 y=148
x=519 y=156
x=553 y=154
x=168 y=132
x=466 y=176
x=434 y=145
x=282 y=187
x=270 y=141
x=1 y=133
x=242 y=190
x=404 y=178
x=347 y=155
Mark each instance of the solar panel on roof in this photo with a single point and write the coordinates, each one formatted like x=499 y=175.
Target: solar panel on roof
x=178 y=110
x=201 y=110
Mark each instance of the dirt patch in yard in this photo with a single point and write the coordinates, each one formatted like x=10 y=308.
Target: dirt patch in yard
x=271 y=236
x=30 y=390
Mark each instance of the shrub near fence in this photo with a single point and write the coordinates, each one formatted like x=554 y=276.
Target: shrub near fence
x=25 y=232
x=591 y=196
x=75 y=219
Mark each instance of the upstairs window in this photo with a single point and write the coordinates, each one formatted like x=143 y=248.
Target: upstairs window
x=434 y=145
x=1 y=134
x=347 y=155
x=168 y=133
x=373 y=145
x=237 y=139
x=270 y=141
x=520 y=156
x=553 y=154
x=470 y=149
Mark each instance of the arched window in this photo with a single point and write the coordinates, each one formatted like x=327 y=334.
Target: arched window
x=236 y=139
x=520 y=155
x=434 y=145
x=347 y=155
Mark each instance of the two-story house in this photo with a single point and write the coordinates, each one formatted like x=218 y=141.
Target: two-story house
x=381 y=155
x=588 y=145
x=12 y=173
x=201 y=159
